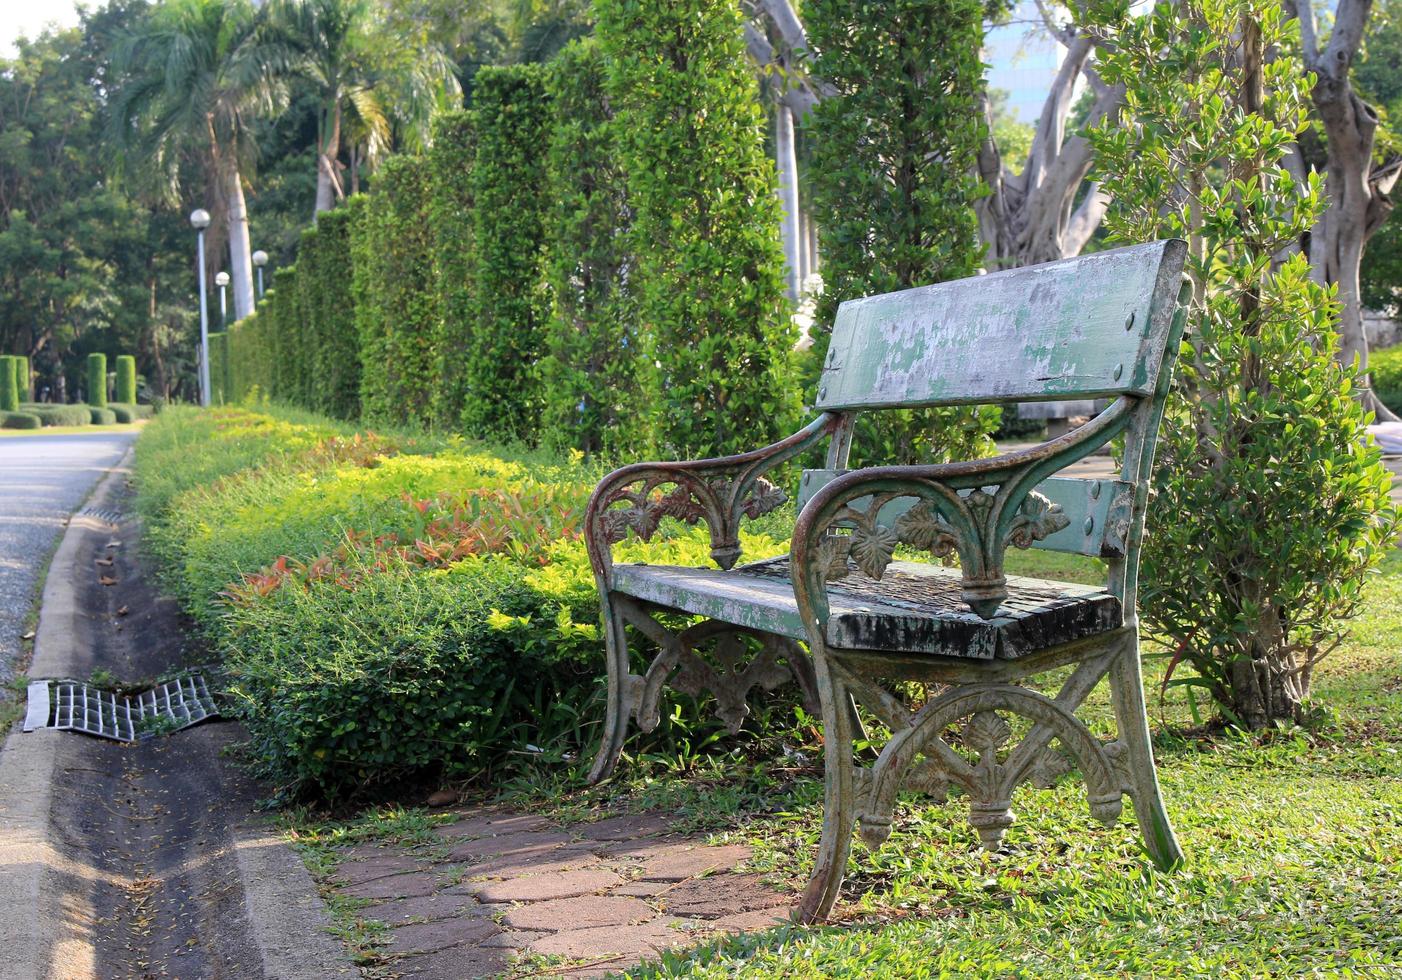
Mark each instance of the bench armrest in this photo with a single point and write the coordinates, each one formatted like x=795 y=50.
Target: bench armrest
x=978 y=525
x=718 y=491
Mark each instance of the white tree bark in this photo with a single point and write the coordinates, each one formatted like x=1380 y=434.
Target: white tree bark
x=240 y=254
x=787 y=164
x=1357 y=190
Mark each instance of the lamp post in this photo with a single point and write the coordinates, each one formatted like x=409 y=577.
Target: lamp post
x=221 y=279
x=260 y=259
x=199 y=220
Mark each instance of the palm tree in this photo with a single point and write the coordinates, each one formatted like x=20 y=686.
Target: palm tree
x=193 y=76
x=369 y=89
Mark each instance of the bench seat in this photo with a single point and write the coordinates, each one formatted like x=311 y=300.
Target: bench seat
x=914 y=608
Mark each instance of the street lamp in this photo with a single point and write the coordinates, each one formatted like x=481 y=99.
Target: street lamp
x=260 y=259
x=199 y=220
x=221 y=279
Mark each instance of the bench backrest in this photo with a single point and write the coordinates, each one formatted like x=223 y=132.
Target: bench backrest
x=1089 y=327
x=1096 y=326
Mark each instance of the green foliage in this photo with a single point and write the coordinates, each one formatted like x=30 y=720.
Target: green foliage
x=894 y=156
x=101 y=416
x=502 y=393
x=19 y=420
x=24 y=378
x=332 y=347
x=1272 y=503
x=96 y=380
x=60 y=414
x=250 y=352
x=291 y=361
x=588 y=373
x=451 y=160
x=219 y=386
x=1385 y=372
x=126 y=379
x=9 y=387
x=709 y=276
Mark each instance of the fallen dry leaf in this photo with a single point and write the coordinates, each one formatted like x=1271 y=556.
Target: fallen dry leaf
x=107 y=580
x=122 y=611
x=114 y=543
x=443 y=797
x=28 y=636
x=104 y=561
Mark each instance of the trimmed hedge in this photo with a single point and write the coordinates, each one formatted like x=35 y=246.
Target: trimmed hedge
x=126 y=379
x=332 y=386
x=60 y=414
x=97 y=381
x=589 y=386
x=9 y=387
x=19 y=420
x=454 y=143
x=709 y=279
x=101 y=416
x=219 y=389
x=24 y=378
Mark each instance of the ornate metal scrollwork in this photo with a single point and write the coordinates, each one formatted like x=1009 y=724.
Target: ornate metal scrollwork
x=730 y=680
x=990 y=780
x=692 y=500
x=924 y=527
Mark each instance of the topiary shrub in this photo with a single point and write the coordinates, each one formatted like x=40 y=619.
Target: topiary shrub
x=101 y=416
x=323 y=263
x=508 y=304
x=589 y=368
x=125 y=414
x=126 y=379
x=9 y=389
x=709 y=278
x=97 y=380
x=452 y=158
x=1272 y=501
x=61 y=414
x=19 y=420
x=894 y=179
x=24 y=378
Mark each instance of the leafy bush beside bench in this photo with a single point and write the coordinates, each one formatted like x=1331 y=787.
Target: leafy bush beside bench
x=386 y=606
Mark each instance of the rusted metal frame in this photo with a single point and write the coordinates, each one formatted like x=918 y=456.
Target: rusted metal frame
x=715 y=490
x=961 y=670
x=677 y=652
x=980 y=539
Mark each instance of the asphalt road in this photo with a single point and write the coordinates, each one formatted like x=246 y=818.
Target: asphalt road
x=43 y=479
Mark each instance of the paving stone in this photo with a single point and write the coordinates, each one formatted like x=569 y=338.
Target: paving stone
x=753 y=921
x=625 y=828
x=465 y=963
x=487 y=823
x=441 y=905
x=513 y=938
x=540 y=888
x=720 y=895
x=641 y=889
x=370 y=850
x=580 y=913
x=530 y=840
x=381 y=866
x=429 y=937
x=677 y=865
x=395 y=886
x=543 y=861
x=632 y=940
x=642 y=850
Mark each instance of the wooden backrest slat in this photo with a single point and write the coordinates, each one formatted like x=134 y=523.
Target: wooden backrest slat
x=1089 y=327
x=1097 y=525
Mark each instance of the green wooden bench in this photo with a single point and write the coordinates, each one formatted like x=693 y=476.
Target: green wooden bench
x=1100 y=326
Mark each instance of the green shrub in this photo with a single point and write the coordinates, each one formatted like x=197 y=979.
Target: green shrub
x=1385 y=373
x=101 y=416
x=218 y=368
x=332 y=347
x=19 y=420
x=589 y=365
x=126 y=414
x=24 y=378
x=1272 y=502
x=9 y=388
x=61 y=414
x=508 y=301
x=289 y=355
x=451 y=159
x=710 y=272
x=96 y=377
x=251 y=353
x=126 y=379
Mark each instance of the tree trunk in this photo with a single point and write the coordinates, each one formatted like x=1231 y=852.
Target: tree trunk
x=325 y=192
x=787 y=165
x=328 y=167
x=240 y=254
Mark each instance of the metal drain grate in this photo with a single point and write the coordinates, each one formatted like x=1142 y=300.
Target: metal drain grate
x=77 y=707
x=102 y=514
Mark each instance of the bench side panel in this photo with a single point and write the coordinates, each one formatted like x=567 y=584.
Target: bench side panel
x=1089 y=327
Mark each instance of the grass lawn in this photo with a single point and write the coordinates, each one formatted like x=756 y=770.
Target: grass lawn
x=1294 y=845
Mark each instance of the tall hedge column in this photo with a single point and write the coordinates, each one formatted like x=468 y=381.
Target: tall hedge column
x=24 y=378
x=9 y=390
x=97 y=380
x=452 y=160
x=126 y=379
x=501 y=391
x=710 y=269
x=893 y=191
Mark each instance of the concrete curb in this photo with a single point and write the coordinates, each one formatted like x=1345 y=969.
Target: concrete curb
x=47 y=924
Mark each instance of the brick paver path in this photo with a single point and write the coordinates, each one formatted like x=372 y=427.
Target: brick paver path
x=507 y=891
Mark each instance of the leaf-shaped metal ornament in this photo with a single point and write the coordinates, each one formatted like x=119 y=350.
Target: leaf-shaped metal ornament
x=763 y=498
x=986 y=732
x=923 y=528
x=1036 y=518
x=872 y=548
x=832 y=556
